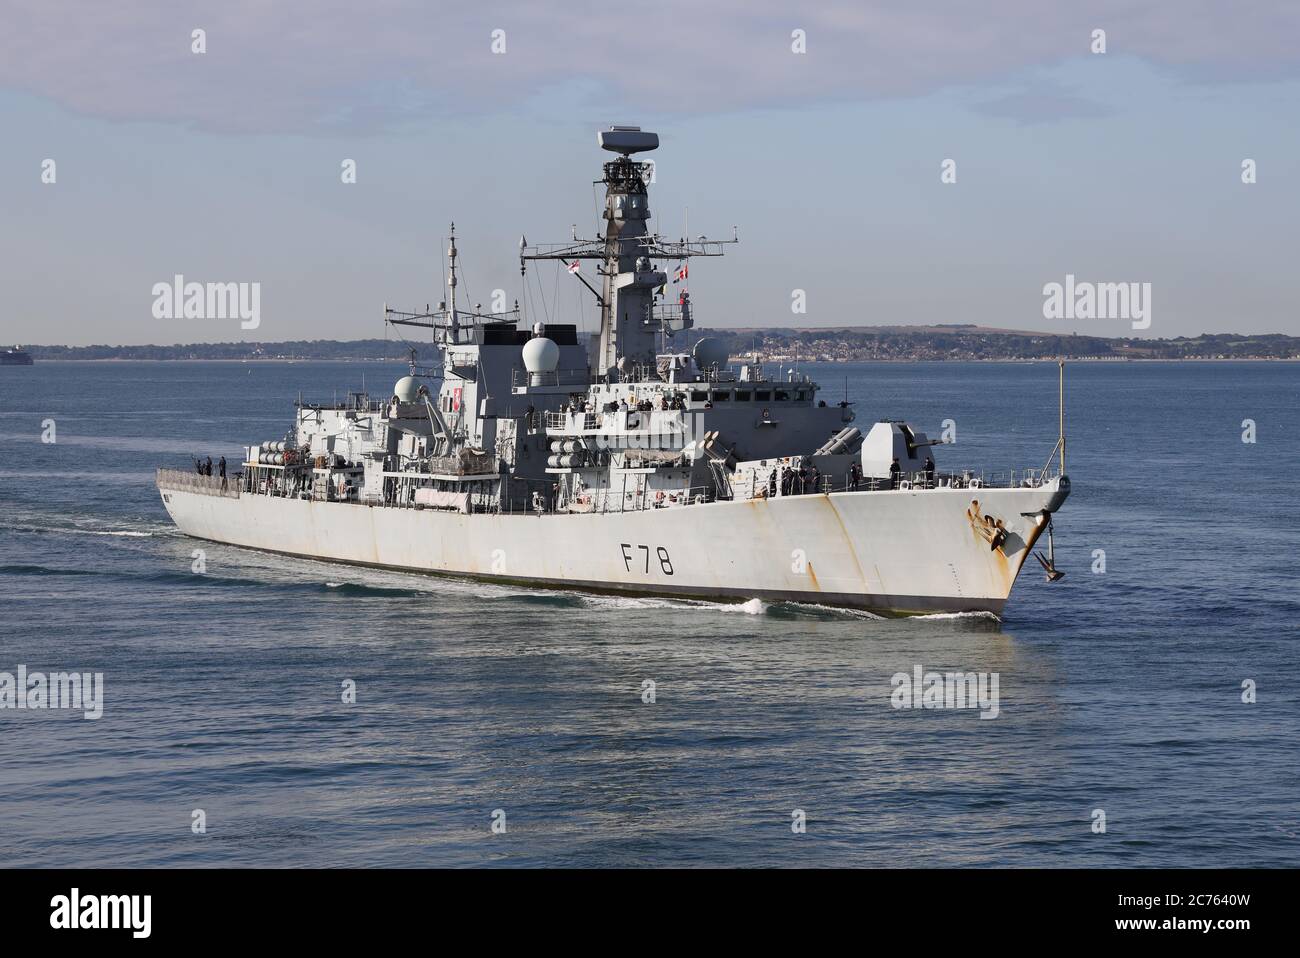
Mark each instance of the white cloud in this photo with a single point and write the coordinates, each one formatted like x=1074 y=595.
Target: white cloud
x=300 y=67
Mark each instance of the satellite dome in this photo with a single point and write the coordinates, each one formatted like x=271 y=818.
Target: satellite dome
x=541 y=355
x=407 y=389
x=710 y=352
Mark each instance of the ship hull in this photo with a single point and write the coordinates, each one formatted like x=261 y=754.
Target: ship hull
x=904 y=552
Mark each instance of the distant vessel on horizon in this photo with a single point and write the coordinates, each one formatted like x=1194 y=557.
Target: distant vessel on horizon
x=15 y=357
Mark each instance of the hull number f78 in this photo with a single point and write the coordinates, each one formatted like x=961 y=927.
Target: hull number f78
x=638 y=557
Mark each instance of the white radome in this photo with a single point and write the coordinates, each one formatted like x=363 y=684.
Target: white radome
x=541 y=355
x=407 y=389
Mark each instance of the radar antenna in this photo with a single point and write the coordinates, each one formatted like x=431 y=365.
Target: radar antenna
x=632 y=320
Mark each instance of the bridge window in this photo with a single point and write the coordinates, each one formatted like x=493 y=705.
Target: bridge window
x=721 y=396
x=763 y=395
x=782 y=395
x=742 y=395
x=699 y=395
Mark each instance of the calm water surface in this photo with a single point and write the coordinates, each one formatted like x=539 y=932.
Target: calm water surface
x=1119 y=691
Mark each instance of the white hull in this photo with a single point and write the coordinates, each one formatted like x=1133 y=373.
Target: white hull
x=891 y=552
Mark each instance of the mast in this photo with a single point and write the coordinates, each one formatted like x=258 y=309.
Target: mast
x=1060 y=390
x=445 y=321
x=629 y=318
x=629 y=280
x=452 y=319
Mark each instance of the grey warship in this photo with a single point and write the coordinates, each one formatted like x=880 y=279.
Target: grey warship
x=526 y=455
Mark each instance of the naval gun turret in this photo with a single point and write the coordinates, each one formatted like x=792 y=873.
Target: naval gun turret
x=891 y=441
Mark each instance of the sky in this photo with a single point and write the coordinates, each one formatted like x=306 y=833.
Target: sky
x=820 y=132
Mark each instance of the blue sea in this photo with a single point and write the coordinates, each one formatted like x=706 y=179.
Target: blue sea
x=1121 y=691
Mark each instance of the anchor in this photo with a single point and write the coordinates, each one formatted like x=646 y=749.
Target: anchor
x=986 y=527
x=1049 y=563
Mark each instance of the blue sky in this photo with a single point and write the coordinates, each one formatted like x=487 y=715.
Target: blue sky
x=225 y=166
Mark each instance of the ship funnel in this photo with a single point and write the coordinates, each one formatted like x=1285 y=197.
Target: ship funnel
x=627 y=140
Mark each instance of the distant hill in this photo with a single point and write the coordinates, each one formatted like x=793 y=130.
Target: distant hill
x=780 y=344
x=968 y=342
x=354 y=349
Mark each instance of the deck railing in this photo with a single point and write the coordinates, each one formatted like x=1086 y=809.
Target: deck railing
x=192 y=482
x=636 y=500
x=520 y=378
x=756 y=487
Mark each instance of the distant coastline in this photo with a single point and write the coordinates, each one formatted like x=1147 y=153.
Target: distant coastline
x=955 y=342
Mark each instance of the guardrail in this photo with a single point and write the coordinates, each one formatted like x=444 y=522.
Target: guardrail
x=756 y=487
x=561 y=420
x=202 y=485
x=638 y=500
x=622 y=421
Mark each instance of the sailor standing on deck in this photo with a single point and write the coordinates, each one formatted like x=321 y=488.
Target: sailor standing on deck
x=221 y=470
x=894 y=470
